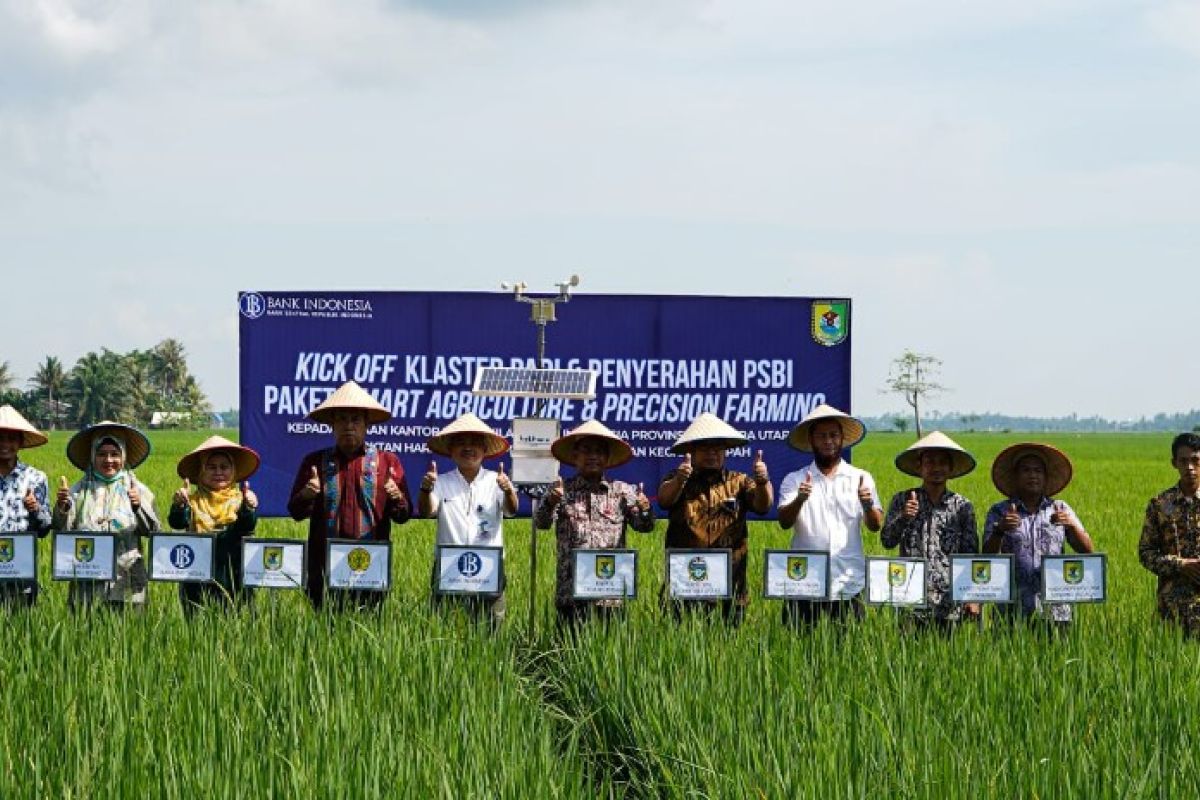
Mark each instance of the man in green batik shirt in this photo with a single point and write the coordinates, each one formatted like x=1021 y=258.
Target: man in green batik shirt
x=1170 y=545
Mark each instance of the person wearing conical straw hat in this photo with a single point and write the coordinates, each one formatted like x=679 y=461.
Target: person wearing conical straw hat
x=932 y=522
x=826 y=505
x=24 y=495
x=1170 y=541
x=109 y=498
x=590 y=510
x=1030 y=523
x=216 y=499
x=469 y=501
x=350 y=490
x=700 y=486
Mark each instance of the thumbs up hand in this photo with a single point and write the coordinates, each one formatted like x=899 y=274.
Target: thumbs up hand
x=684 y=471
x=864 y=493
x=804 y=490
x=503 y=481
x=642 y=501
x=391 y=489
x=1011 y=520
x=1061 y=515
x=182 y=494
x=911 y=506
x=249 y=498
x=557 y=492
x=30 y=502
x=313 y=487
x=135 y=496
x=760 y=469
x=429 y=478
x=63 y=496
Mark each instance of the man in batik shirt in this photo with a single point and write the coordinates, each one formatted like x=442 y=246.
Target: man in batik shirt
x=1031 y=524
x=932 y=522
x=349 y=491
x=23 y=495
x=1170 y=545
x=590 y=511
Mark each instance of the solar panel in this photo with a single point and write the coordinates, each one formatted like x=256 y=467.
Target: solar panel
x=578 y=384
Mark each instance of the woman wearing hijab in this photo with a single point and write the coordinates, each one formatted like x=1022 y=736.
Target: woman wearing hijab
x=216 y=500
x=109 y=499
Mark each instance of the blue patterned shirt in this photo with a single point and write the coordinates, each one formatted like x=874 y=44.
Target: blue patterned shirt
x=14 y=518
x=1036 y=537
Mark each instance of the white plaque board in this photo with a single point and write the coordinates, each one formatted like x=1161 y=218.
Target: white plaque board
x=359 y=564
x=896 y=581
x=796 y=574
x=182 y=558
x=18 y=557
x=981 y=578
x=700 y=574
x=84 y=556
x=273 y=563
x=1075 y=579
x=470 y=570
x=605 y=574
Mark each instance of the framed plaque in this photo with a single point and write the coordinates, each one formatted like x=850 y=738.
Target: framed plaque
x=273 y=563
x=84 y=556
x=181 y=558
x=360 y=564
x=796 y=574
x=980 y=578
x=897 y=581
x=700 y=574
x=1075 y=578
x=469 y=570
x=18 y=557
x=604 y=574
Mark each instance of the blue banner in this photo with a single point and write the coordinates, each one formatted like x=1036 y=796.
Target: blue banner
x=759 y=363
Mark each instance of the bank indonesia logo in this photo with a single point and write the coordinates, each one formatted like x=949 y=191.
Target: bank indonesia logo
x=252 y=305
x=470 y=564
x=182 y=556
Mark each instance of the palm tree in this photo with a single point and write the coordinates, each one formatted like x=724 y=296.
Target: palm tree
x=99 y=387
x=51 y=379
x=169 y=366
x=144 y=398
x=6 y=376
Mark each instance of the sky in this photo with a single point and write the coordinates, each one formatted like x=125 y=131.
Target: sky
x=1011 y=187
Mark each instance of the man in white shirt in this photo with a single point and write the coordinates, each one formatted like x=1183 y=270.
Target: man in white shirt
x=469 y=502
x=826 y=505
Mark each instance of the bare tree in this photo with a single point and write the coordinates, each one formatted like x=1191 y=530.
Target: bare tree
x=912 y=375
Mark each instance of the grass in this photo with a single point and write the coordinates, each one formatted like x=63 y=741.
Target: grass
x=279 y=701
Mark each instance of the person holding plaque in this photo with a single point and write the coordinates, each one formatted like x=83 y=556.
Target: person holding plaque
x=216 y=500
x=826 y=504
x=932 y=522
x=708 y=503
x=109 y=499
x=469 y=501
x=351 y=490
x=24 y=496
x=1031 y=524
x=590 y=511
x=1170 y=543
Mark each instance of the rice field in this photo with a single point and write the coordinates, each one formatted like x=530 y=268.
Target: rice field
x=278 y=701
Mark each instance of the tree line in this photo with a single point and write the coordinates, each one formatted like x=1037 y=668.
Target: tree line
x=127 y=387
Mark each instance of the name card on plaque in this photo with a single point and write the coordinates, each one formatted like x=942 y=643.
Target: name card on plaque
x=896 y=581
x=273 y=563
x=1075 y=579
x=981 y=578
x=181 y=558
x=796 y=574
x=84 y=556
x=18 y=557
x=359 y=564
x=604 y=574
x=469 y=570
x=694 y=574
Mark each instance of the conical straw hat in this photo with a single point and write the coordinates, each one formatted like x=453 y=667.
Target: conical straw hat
x=11 y=420
x=708 y=428
x=137 y=446
x=494 y=444
x=350 y=396
x=961 y=462
x=619 y=450
x=1058 y=467
x=245 y=460
x=853 y=430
